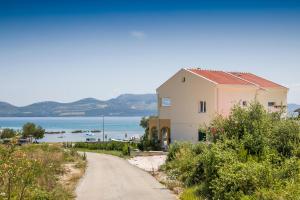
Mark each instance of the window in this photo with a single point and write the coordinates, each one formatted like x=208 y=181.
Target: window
x=183 y=79
x=202 y=107
x=165 y=102
x=201 y=136
x=244 y=103
x=271 y=104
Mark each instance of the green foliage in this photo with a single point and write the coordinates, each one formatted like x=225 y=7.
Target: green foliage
x=251 y=154
x=174 y=148
x=286 y=137
x=144 y=122
x=126 y=150
x=147 y=144
x=39 y=132
x=191 y=194
x=31 y=172
x=7 y=133
x=123 y=147
x=30 y=129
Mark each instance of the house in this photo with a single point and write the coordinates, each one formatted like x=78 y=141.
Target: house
x=191 y=98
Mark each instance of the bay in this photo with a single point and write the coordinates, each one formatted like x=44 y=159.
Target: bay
x=114 y=127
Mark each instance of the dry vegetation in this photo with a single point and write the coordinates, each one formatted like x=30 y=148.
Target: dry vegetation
x=39 y=172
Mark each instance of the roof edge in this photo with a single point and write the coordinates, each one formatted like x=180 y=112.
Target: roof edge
x=279 y=85
x=201 y=76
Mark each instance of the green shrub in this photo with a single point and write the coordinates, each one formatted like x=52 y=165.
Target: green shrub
x=126 y=150
x=191 y=194
x=8 y=133
x=251 y=154
x=173 y=150
x=31 y=172
x=286 y=137
x=145 y=143
x=109 y=146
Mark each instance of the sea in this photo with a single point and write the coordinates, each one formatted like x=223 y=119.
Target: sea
x=114 y=127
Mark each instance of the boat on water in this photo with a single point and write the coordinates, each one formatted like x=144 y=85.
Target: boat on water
x=90 y=134
x=91 y=140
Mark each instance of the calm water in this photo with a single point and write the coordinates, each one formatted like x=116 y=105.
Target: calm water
x=114 y=127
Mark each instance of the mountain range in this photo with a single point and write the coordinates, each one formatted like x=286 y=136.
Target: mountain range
x=123 y=105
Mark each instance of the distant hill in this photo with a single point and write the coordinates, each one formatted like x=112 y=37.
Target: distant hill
x=123 y=105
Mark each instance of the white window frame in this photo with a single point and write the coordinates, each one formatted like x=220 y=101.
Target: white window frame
x=166 y=102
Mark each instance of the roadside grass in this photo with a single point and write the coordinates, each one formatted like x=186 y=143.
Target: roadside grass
x=108 y=152
x=120 y=149
x=190 y=194
x=39 y=171
x=73 y=172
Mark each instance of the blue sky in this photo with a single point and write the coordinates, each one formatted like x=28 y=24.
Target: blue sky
x=66 y=50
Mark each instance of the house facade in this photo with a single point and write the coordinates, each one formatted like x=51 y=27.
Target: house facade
x=191 y=99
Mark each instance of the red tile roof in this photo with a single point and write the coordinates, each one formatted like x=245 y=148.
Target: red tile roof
x=235 y=78
x=220 y=77
x=257 y=80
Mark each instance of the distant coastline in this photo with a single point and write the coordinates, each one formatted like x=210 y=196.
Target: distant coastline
x=77 y=129
x=123 y=105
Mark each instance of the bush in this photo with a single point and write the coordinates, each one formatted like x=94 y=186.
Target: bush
x=145 y=143
x=7 y=133
x=126 y=150
x=174 y=148
x=251 y=154
x=109 y=146
x=31 y=172
x=286 y=137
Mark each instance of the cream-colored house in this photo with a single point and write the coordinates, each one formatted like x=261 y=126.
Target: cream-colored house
x=193 y=97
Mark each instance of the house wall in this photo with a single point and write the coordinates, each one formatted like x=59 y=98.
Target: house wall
x=277 y=95
x=230 y=95
x=185 y=99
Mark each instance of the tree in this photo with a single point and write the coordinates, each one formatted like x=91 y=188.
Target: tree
x=30 y=129
x=8 y=133
x=144 y=122
x=286 y=137
x=39 y=133
x=146 y=143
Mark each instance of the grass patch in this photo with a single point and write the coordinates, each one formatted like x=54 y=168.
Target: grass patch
x=38 y=172
x=190 y=194
x=108 y=152
x=120 y=149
